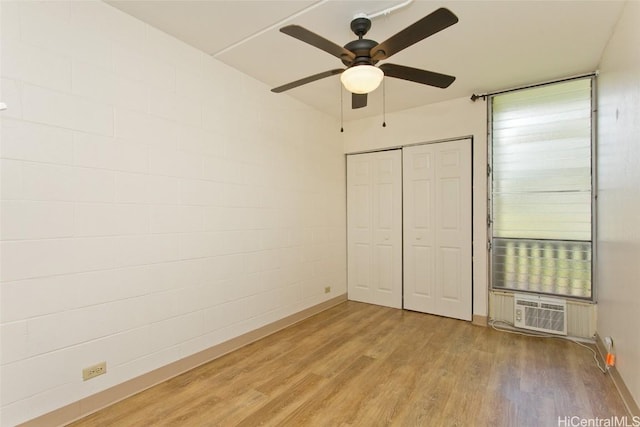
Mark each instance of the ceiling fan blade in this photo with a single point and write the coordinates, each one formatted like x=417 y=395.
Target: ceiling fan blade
x=306 y=80
x=320 y=42
x=417 y=75
x=427 y=26
x=358 y=100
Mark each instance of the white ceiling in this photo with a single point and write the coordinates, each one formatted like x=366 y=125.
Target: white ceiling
x=495 y=45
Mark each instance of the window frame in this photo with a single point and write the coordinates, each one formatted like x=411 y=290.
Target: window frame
x=594 y=188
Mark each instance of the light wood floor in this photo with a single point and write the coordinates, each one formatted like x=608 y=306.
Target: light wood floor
x=363 y=365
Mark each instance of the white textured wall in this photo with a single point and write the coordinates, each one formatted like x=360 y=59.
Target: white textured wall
x=445 y=120
x=618 y=258
x=154 y=202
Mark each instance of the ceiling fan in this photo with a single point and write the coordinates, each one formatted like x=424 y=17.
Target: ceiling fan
x=360 y=56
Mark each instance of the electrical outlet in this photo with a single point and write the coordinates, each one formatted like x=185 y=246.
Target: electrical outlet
x=327 y=289
x=94 y=371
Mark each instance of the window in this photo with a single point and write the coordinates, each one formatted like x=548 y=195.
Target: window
x=541 y=189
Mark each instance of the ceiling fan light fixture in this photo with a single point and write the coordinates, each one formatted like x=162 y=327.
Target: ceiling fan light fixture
x=361 y=79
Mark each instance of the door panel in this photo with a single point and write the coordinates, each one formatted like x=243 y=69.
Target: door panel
x=449 y=205
x=437 y=228
x=422 y=204
x=362 y=204
x=374 y=207
x=361 y=263
x=384 y=206
x=450 y=268
x=422 y=258
x=384 y=268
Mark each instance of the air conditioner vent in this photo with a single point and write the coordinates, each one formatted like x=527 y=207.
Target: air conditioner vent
x=526 y=303
x=552 y=306
x=540 y=314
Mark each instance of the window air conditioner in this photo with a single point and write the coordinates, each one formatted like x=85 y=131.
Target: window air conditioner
x=540 y=314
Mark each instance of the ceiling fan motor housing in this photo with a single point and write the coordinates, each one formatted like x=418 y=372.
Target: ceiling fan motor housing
x=360 y=47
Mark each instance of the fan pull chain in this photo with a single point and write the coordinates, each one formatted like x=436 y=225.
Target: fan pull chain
x=341 y=110
x=384 y=103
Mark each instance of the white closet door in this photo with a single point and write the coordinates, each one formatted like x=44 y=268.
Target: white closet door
x=437 y=228
x=374 y=224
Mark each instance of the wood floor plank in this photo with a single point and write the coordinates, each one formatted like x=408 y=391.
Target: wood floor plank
x=321 y=401
x=363 y=365
x=283 y=404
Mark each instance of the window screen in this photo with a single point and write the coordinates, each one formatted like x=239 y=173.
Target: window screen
x=541 y=180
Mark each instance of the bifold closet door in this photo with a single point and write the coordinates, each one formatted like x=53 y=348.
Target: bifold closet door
x=437 y=228
x=374 y=228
